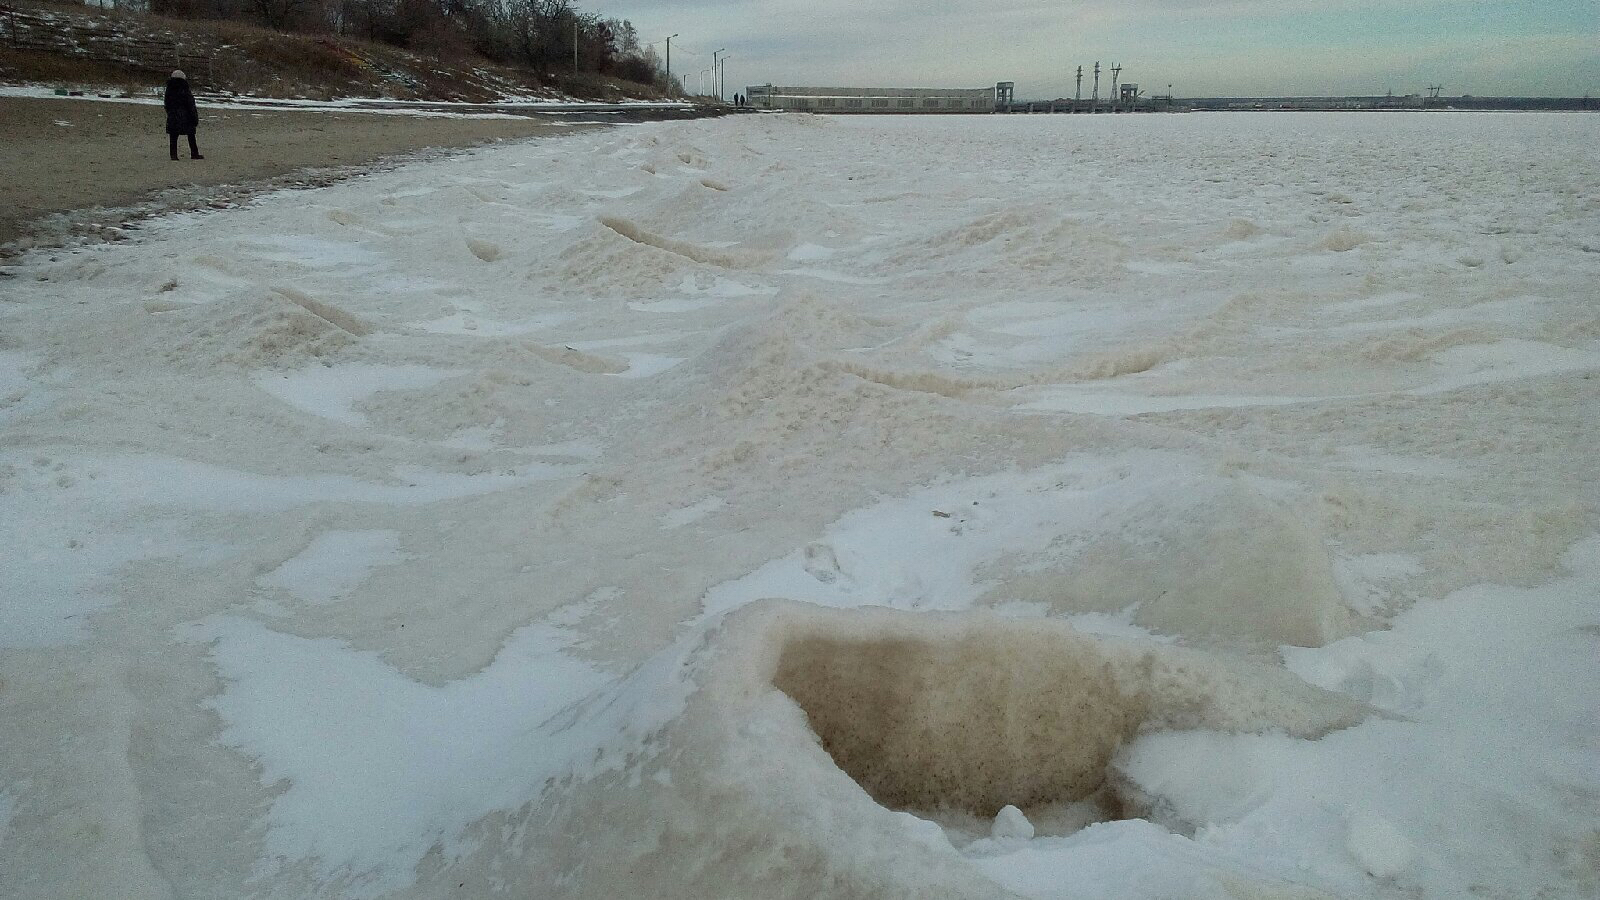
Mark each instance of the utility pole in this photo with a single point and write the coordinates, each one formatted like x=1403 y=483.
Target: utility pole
x=1116 y=98
x=1077 y=95
x=715 y=84
x=669 y=65
x=724 y=88
x=1094 y=100
x=574 y=43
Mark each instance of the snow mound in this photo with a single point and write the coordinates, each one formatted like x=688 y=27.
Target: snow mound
x=1030 y=238
x=1342 y=240
x=1011 y=824
x=1186 y=552
x=326 y=311
x=1238 y=566
x=707 y=255
x=977 y=713
x=806 y=735
x=488 y=251
x=277 y=329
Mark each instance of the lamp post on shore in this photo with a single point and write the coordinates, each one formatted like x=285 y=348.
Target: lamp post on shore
x=669 y=65
x=715 y=85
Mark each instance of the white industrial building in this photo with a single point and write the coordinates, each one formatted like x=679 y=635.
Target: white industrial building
x=872 y=100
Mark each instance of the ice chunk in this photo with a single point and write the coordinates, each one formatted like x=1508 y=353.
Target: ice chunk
x=1010 y=823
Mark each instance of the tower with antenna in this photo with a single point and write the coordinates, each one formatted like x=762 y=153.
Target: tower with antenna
x=1094 y=99
x=1116 y=72
x=1077 y=95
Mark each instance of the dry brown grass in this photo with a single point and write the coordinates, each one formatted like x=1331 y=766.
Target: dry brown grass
x=59 y=70
x=248 y=59
x=604 y=87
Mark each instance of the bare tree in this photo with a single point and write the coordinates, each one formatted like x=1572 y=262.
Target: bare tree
x=546 y=36
x=280 y=14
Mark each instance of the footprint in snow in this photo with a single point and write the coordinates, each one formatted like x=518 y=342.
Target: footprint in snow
x=821 y=563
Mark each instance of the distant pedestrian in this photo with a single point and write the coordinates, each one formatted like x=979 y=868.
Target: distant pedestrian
x=182 y=115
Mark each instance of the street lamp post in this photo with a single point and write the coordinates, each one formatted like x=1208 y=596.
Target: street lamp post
x=724 y=76
x=714 y=83
x=669 y=65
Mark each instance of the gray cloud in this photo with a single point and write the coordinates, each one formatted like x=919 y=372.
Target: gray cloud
x=1201 y=46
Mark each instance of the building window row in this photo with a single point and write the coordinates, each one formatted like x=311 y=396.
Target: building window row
x=880 y=103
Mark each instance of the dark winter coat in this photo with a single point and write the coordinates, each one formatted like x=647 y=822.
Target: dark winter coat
x=182 y=116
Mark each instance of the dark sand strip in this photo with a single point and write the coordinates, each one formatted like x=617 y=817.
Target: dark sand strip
x=74 y=165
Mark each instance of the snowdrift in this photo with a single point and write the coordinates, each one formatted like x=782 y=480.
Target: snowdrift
x=814 y=749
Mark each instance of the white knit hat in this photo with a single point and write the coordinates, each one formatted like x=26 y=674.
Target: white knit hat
x=178 y=73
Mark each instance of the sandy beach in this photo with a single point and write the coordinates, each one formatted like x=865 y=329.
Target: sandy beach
x=75 y=166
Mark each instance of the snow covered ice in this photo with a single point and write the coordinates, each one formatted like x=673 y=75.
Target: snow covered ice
x=1067 y=507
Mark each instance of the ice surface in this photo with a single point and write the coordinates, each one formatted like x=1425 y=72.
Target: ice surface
x=334 y=563
x=1100 y=535
x=18 y=392
x=694 y=512
x=1486 y=730
x=761 y=506
x=12 y=379
x=166 y=483
x=333 y=391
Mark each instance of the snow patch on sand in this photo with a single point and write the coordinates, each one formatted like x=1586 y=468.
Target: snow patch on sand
x=335 y=563
x=378 y=768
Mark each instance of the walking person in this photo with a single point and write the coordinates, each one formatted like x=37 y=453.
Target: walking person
x=182 y=115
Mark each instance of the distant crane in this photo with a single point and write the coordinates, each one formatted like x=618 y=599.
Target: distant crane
x=1116 y=72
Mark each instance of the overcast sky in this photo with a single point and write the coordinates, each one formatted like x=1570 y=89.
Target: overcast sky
x=1200 y=47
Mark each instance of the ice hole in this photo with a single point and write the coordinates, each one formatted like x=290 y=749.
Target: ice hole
x=955 y=730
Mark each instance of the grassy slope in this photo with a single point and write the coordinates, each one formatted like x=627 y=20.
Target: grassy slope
x=234 y=57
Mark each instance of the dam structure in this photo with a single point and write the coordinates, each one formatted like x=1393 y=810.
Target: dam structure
x=871 y=100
